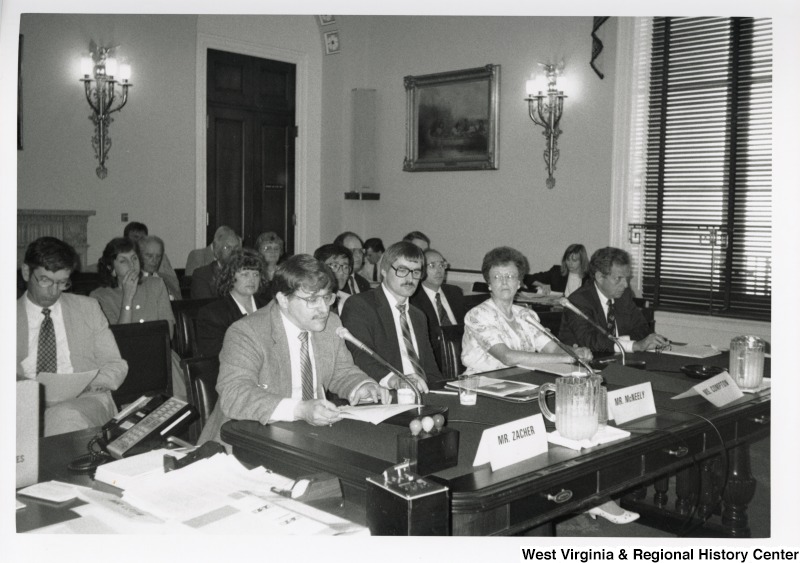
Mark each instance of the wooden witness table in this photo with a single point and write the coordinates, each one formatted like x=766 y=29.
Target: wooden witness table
x=707 y=447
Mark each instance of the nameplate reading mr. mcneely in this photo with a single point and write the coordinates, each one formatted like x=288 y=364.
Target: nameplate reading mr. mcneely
x=631 y=402
x=512 y=442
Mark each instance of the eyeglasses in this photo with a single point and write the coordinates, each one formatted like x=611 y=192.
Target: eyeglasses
x=252 y=274
x=336 y=267
x=438 y=265
x=357 y=251
x=505 y=277
x=271 y=248
x=317 y=300
x=47 y=282
x=403 y=272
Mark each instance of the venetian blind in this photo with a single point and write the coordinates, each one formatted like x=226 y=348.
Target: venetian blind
x=708 y=180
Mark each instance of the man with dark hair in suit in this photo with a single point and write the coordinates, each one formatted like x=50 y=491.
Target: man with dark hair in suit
x=373 y=250
x=340 y=260
x=204 y=278
x=443 y=304
x=351 y=241
x=608 y=301
x=383 y=320
x=277 y=363
x=65 y=333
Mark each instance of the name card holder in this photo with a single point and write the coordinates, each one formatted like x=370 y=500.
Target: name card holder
x=718 y=390
x=630 y=403
x=512 y=442
x=429 y=452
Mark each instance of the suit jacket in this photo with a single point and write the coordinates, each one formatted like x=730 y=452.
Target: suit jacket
x=197 y=258
x=213 y=321
x=204 y=281
x=575 y=330
x=363 y=284
x=167 y=273
x=455 y=297
x=553 y=278
x=255 y=368
x=369 y=318
x=91 y=346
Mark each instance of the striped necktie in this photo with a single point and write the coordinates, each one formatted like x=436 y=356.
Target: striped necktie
x=306 y=373
x=410 y=352
x=444 y=318
x=46 y=357
x=611 y=318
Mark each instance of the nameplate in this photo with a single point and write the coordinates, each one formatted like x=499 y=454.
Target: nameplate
x=512 y=442
x=631 y=402
x=718 y=390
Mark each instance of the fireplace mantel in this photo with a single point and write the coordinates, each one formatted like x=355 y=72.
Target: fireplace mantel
x=69 y=225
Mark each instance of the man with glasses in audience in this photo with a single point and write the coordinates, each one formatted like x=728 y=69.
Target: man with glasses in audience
x=277 y=363
x=384 y=320
x=340 y=260
x=204 y=278
x=352 y=242
x=64 y=333
x=443 y=304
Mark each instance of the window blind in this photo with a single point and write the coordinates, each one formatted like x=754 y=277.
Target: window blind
x=708 y=179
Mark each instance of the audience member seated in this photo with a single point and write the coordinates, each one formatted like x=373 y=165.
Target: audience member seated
x=608 y=301
x=270 y=246
x=239 y=286
x=419 y=239
x=351 y=241
x=151 y=249
x=204 y=278
x=340 y=261
x=65 y=333
x=371 y=270
x=138 y=231
x=443 y=304
x=565 y=278
x=384 y=321
x=126 y=296
x=204 y=256
x=499 y=334
x=266 y=370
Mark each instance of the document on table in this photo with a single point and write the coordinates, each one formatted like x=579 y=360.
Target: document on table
x=557 y=369
x=691 y=351
x=374 y=413
x=124 y=472
x=64 y=386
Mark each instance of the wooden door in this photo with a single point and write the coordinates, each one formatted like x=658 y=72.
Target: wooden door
x=250 y=153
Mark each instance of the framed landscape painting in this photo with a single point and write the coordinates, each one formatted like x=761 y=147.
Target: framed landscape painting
x=451 y=120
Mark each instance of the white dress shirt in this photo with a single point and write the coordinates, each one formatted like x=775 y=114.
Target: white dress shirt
x=624 y=340
x=432 y=296
x=285 y=409
x=407 y=366
x=35 y=318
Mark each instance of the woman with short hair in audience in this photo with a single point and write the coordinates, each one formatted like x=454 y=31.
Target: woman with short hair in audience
x=499 y=334
x=565 y=278
x=239 y=286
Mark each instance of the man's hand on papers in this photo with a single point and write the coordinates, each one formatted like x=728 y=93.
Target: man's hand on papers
x=649 y=342
x=317 y=412
x=371 y=393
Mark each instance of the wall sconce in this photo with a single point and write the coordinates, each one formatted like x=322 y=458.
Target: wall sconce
x=99 y=80
x=545 y=110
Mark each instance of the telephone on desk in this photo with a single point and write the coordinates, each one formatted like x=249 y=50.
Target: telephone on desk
x=141 y=426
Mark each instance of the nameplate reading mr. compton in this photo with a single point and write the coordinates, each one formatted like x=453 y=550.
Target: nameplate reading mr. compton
x=512 y=442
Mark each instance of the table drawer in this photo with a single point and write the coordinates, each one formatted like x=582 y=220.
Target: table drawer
x=612 y=475
x=673 y=452
x=536 y=504
x=753 y=423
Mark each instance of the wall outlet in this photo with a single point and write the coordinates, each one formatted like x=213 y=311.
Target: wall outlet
x=124 y=217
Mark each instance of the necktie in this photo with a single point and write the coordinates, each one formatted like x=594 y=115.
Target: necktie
x=611 y=325
x=351 y=289
x=444 y=318
x=46 y=358
x=307 y=375
x=375 y=273
x=410 y=352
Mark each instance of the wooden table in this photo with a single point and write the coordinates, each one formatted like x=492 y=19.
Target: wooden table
x=684 y=437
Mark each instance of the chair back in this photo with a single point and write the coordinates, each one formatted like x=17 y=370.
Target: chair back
x=200 y=375
x=450 y=350
x=146 y=348
x=551 y=320
x=185 y=313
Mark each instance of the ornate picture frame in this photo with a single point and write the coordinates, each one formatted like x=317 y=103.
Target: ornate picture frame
x=451 y=120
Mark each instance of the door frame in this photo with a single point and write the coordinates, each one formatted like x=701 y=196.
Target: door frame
x=308 y=143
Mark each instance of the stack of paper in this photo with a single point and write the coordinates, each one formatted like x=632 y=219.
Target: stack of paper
x=124 y=473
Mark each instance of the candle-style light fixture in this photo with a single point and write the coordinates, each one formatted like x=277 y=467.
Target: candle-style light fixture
x=545 y=110
x=105 y=82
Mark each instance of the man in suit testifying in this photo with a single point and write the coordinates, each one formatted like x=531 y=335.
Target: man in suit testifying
x=443 y=304
x=65 y=333
x=609 y=303
x=383 y=320
x=277 y=363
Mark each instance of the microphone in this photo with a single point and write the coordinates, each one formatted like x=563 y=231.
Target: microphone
x=566 y=303
x=567 y=349
x=345 y=334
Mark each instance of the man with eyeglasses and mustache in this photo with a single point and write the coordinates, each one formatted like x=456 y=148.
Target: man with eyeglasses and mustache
x=383 y=319
x=277 y=363
x=65 y=334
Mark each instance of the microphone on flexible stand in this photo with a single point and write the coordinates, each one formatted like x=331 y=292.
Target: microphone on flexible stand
x=566 y=303
x=560 y=344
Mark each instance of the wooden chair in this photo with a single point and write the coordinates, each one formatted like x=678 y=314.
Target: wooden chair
x=200 y=375
x=450 y=350
x=185 y=313
x=146 y=348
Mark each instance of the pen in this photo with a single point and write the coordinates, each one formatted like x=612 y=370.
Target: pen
x=443 y=392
